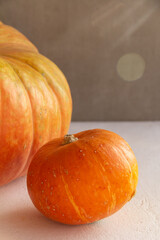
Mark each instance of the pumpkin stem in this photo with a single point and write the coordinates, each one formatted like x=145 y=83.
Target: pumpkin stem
x=69 y=138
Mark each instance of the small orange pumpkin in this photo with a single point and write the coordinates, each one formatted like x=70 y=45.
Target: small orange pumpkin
x=84 y=177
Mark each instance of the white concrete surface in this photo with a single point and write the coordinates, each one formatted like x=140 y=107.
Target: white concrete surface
x=137 y=220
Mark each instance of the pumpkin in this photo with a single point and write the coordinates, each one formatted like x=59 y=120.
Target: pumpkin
x=82 y=178
x=35 y=103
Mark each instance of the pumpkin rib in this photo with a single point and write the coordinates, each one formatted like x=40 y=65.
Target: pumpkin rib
x=11 y=39
x=53 y=93
x=76 y=143
x=28 y=102
x=58 y=98
x=70 y=197
x=107 y=183
x=55 y=85
x=122 y=153
x=132 y=183
x=59 y=76
x=124 y=157
x=47 y=85
x=53 y=90
x=32 y=117
x=113 y=145
x=40 y=89
x=120 y=150
x=32 y=121
x=85 y=134
x=68 y=192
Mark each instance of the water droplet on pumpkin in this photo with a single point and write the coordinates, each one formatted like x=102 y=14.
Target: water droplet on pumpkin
x=81 y=150
x=84 y=154
x=41 y=182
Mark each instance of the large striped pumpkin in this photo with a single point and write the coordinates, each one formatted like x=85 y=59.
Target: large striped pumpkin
x=35 y=102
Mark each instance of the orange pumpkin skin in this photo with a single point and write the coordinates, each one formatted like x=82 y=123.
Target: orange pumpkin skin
x=35 y=103
x=85 y=180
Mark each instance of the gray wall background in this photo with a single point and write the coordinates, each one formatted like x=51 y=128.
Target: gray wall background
x=87 y=39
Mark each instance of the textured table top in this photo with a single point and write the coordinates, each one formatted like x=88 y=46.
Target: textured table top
x=138 y=219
